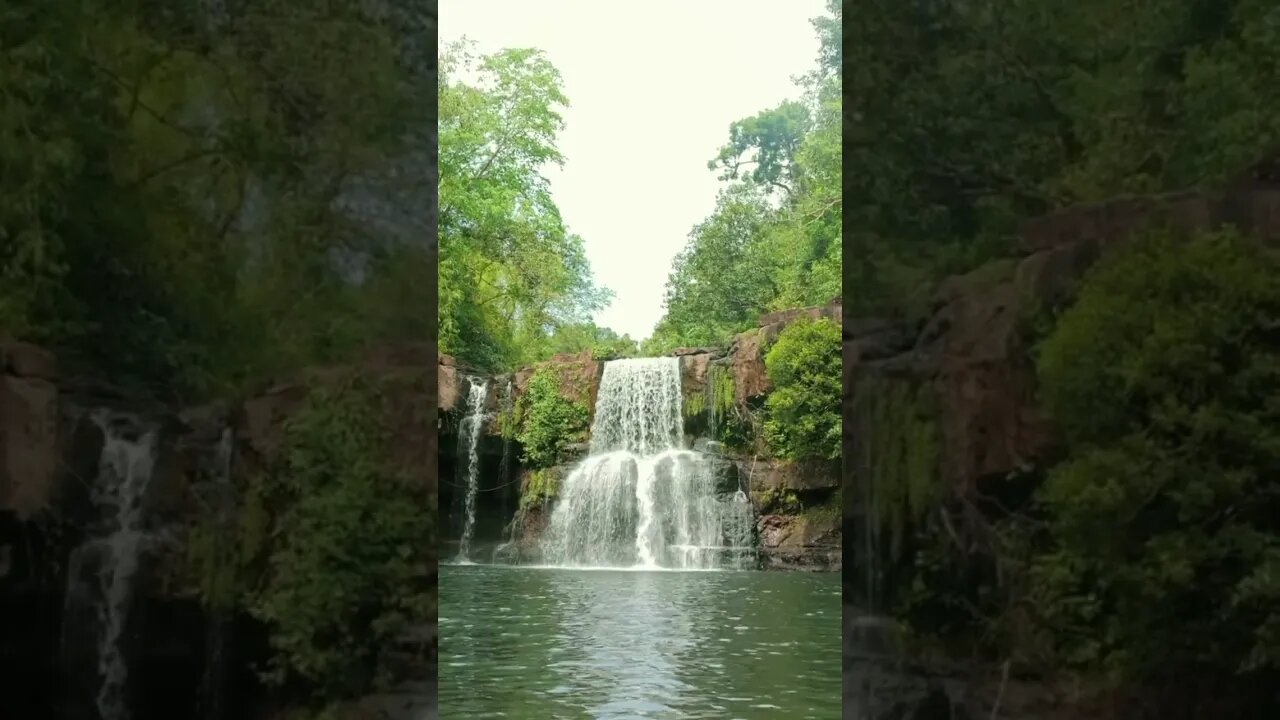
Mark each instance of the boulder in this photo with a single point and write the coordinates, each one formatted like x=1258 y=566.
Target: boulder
x=809 y=541
x=785 y=317
x=262 y=418
x=27 y=360
x=28 y=444
x=765 y=474
x=448 y=382
x=693 y=372
x=747 y=362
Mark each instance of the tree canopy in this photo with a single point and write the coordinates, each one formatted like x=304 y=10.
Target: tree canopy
x=963 y=118
x=774 y=238
x=515 y=284
x=193 y=197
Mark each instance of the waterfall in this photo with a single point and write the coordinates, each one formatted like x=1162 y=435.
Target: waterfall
x=218 y=625
x=102 y=570
x=507 y=407
x=640 y=497
x=470 y=428
x=709 y=401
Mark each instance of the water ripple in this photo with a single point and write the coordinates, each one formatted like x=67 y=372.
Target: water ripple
x=552 y=643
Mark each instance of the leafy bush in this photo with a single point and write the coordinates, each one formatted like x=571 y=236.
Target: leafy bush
x=1162 y=547
x=803 y=411
x=344 y=565
x=549 y=420
x=540 y=486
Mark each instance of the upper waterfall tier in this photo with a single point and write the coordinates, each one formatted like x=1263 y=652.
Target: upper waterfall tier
x=638 y=407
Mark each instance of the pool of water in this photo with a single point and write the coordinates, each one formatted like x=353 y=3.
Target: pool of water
x=520 y=642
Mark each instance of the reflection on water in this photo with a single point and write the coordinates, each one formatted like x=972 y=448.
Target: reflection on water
x=555 y=643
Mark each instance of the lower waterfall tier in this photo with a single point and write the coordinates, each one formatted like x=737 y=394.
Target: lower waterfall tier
x=677 y=509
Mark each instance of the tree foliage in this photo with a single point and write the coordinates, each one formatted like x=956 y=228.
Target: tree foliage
x=511 y=274
x=774 y=238
x=189 y=198
x=1164 y=378
x=548 y=420
x=964 y=118
x=345 y=571
x=803 y=409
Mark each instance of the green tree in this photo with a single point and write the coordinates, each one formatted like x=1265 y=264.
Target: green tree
x=774 y=238
x=345 y=566
x=549 y=421
x=510 y=272
x=1161 y=553
x=964 y=118
x=803 y=409
x=183 y=192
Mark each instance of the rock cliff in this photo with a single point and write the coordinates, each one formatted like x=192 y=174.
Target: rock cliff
x=950 y=402
x=797 y=504
x=85 y=468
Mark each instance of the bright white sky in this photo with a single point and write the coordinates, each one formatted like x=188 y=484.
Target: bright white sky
x=652 y=89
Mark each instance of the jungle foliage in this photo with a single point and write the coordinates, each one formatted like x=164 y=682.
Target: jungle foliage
x=515 y=284
x=774 y=239
x=803 y=409
x=965 y=118
x=1144 y=551
x=336 y=546
x=1161 y=546
x=549 y=420
x=190 y=199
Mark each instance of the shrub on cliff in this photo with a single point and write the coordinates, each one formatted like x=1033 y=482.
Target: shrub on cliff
x=803 y=410
x=1162 y=548
x=343 y=567
x=549 y=420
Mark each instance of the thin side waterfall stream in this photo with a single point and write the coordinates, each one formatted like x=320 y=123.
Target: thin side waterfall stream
x=471 y=426
x=641 y=498
x=103 y=570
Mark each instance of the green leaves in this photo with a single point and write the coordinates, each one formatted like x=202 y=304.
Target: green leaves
x=803 y=409
x=510 y=272
x=774 y=238
x=549 y=420
x=167 y=201
x=342 y=578
x=1163 y=377
x=965 y=118
x=774 y=136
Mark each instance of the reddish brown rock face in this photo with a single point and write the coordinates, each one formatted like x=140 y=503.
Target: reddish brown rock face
x=28 y=444
x=693 y=372
x=447 y=384
x=767 y=474
x=578 y=376
x=26 y=360
x=747 y=350
x=747 y=353
x=972 y=351
x=786 y=317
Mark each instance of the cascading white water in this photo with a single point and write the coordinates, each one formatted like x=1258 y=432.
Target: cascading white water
x=123 y=476
x=641 y=498
x=471 y=426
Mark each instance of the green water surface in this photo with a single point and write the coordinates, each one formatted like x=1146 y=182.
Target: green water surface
x=558 y=643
